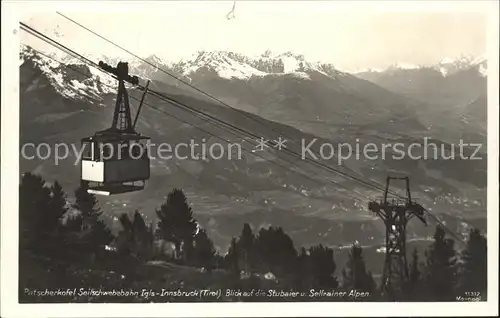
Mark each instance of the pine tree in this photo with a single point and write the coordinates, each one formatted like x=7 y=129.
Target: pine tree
x=413 y=288
x=94 y=233
x=57 y=206
x=304 y=276
x=355 y=275
x=246 y=245
x=440 y=269
x=188 y=252
x=218 y=260
x=232 y=256
x=204 y=251
x=414 y=268
x=143 y=234
x=34 y=212
x=322 y=267
x=55 y=237
x=176 y=222
x=275 y=251
x=473 y=269
x=125 y=238
x=136 y=238
x=74 y=223
x=98 y=236
x=87 y=204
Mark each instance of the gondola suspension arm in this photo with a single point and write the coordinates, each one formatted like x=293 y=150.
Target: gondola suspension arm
x=140 y=104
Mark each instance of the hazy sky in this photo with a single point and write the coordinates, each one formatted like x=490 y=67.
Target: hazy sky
x=319 y=30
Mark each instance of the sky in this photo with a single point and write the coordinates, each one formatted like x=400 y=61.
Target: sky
x=322 y=31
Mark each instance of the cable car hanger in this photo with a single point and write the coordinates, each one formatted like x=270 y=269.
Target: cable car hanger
x=116 y=170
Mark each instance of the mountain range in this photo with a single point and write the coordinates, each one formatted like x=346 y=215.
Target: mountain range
x=428 y=94
x=453 y=93
x=273 y=96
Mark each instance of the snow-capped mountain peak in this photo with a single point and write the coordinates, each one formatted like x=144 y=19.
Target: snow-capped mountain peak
x=224 y=64
x=449 y=66
x=231 y=65
x=72 y=79
x=446 y=66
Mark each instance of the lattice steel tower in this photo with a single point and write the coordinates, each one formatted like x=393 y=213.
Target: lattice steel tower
x=122 y=120
x=396 y=212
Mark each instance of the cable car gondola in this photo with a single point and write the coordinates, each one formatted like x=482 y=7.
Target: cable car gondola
x=115 y=160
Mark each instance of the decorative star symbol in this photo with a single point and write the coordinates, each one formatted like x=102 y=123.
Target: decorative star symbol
x=280 y=143
x=261 y=144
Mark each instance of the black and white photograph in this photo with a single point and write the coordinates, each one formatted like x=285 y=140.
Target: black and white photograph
x=193 y=153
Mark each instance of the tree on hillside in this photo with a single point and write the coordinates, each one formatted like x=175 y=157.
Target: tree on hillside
x=322 y=267
x=440 y=268
x=125 y=238
x=57 y=205
x=143 y=235
x=302 y=277
x=176 y=223
x=355 y=275
x=232 y=257
x=73 y=222
x=87 y=203
x=203 y=251
x=136 y=238
x=94 y=233
x=473 y=269
x=246 y=244
x=415 y=274
x=275 y=251
x=35 y=219
x=53 y=222
x=414 y=285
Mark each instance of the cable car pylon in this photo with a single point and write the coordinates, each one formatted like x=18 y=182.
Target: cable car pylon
x=396 y=212
x=115 y=159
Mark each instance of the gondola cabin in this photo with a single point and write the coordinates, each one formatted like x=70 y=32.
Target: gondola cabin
x=114 y=163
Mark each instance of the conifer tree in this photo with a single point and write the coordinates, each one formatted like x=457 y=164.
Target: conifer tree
x=473 y=269
x=414 y=285
x=57 y=209
x=125 y=238
x=176 y=223
x=322 y=267
x=204 y=251
x=440 y=268
x=87 y=204
x=94 y=233
x=415 y=268
x=143 y=235
x=275 y=251
x=57 y=206
x=34 y=212
x=232 y=256
x=303 y=277
x=246 y=244
x=355 y=275
x=136 y=238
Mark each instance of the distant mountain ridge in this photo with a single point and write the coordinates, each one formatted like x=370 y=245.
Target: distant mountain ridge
x=230 y=65
x=452 y=92
x=447 y=83
x=446 y=66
